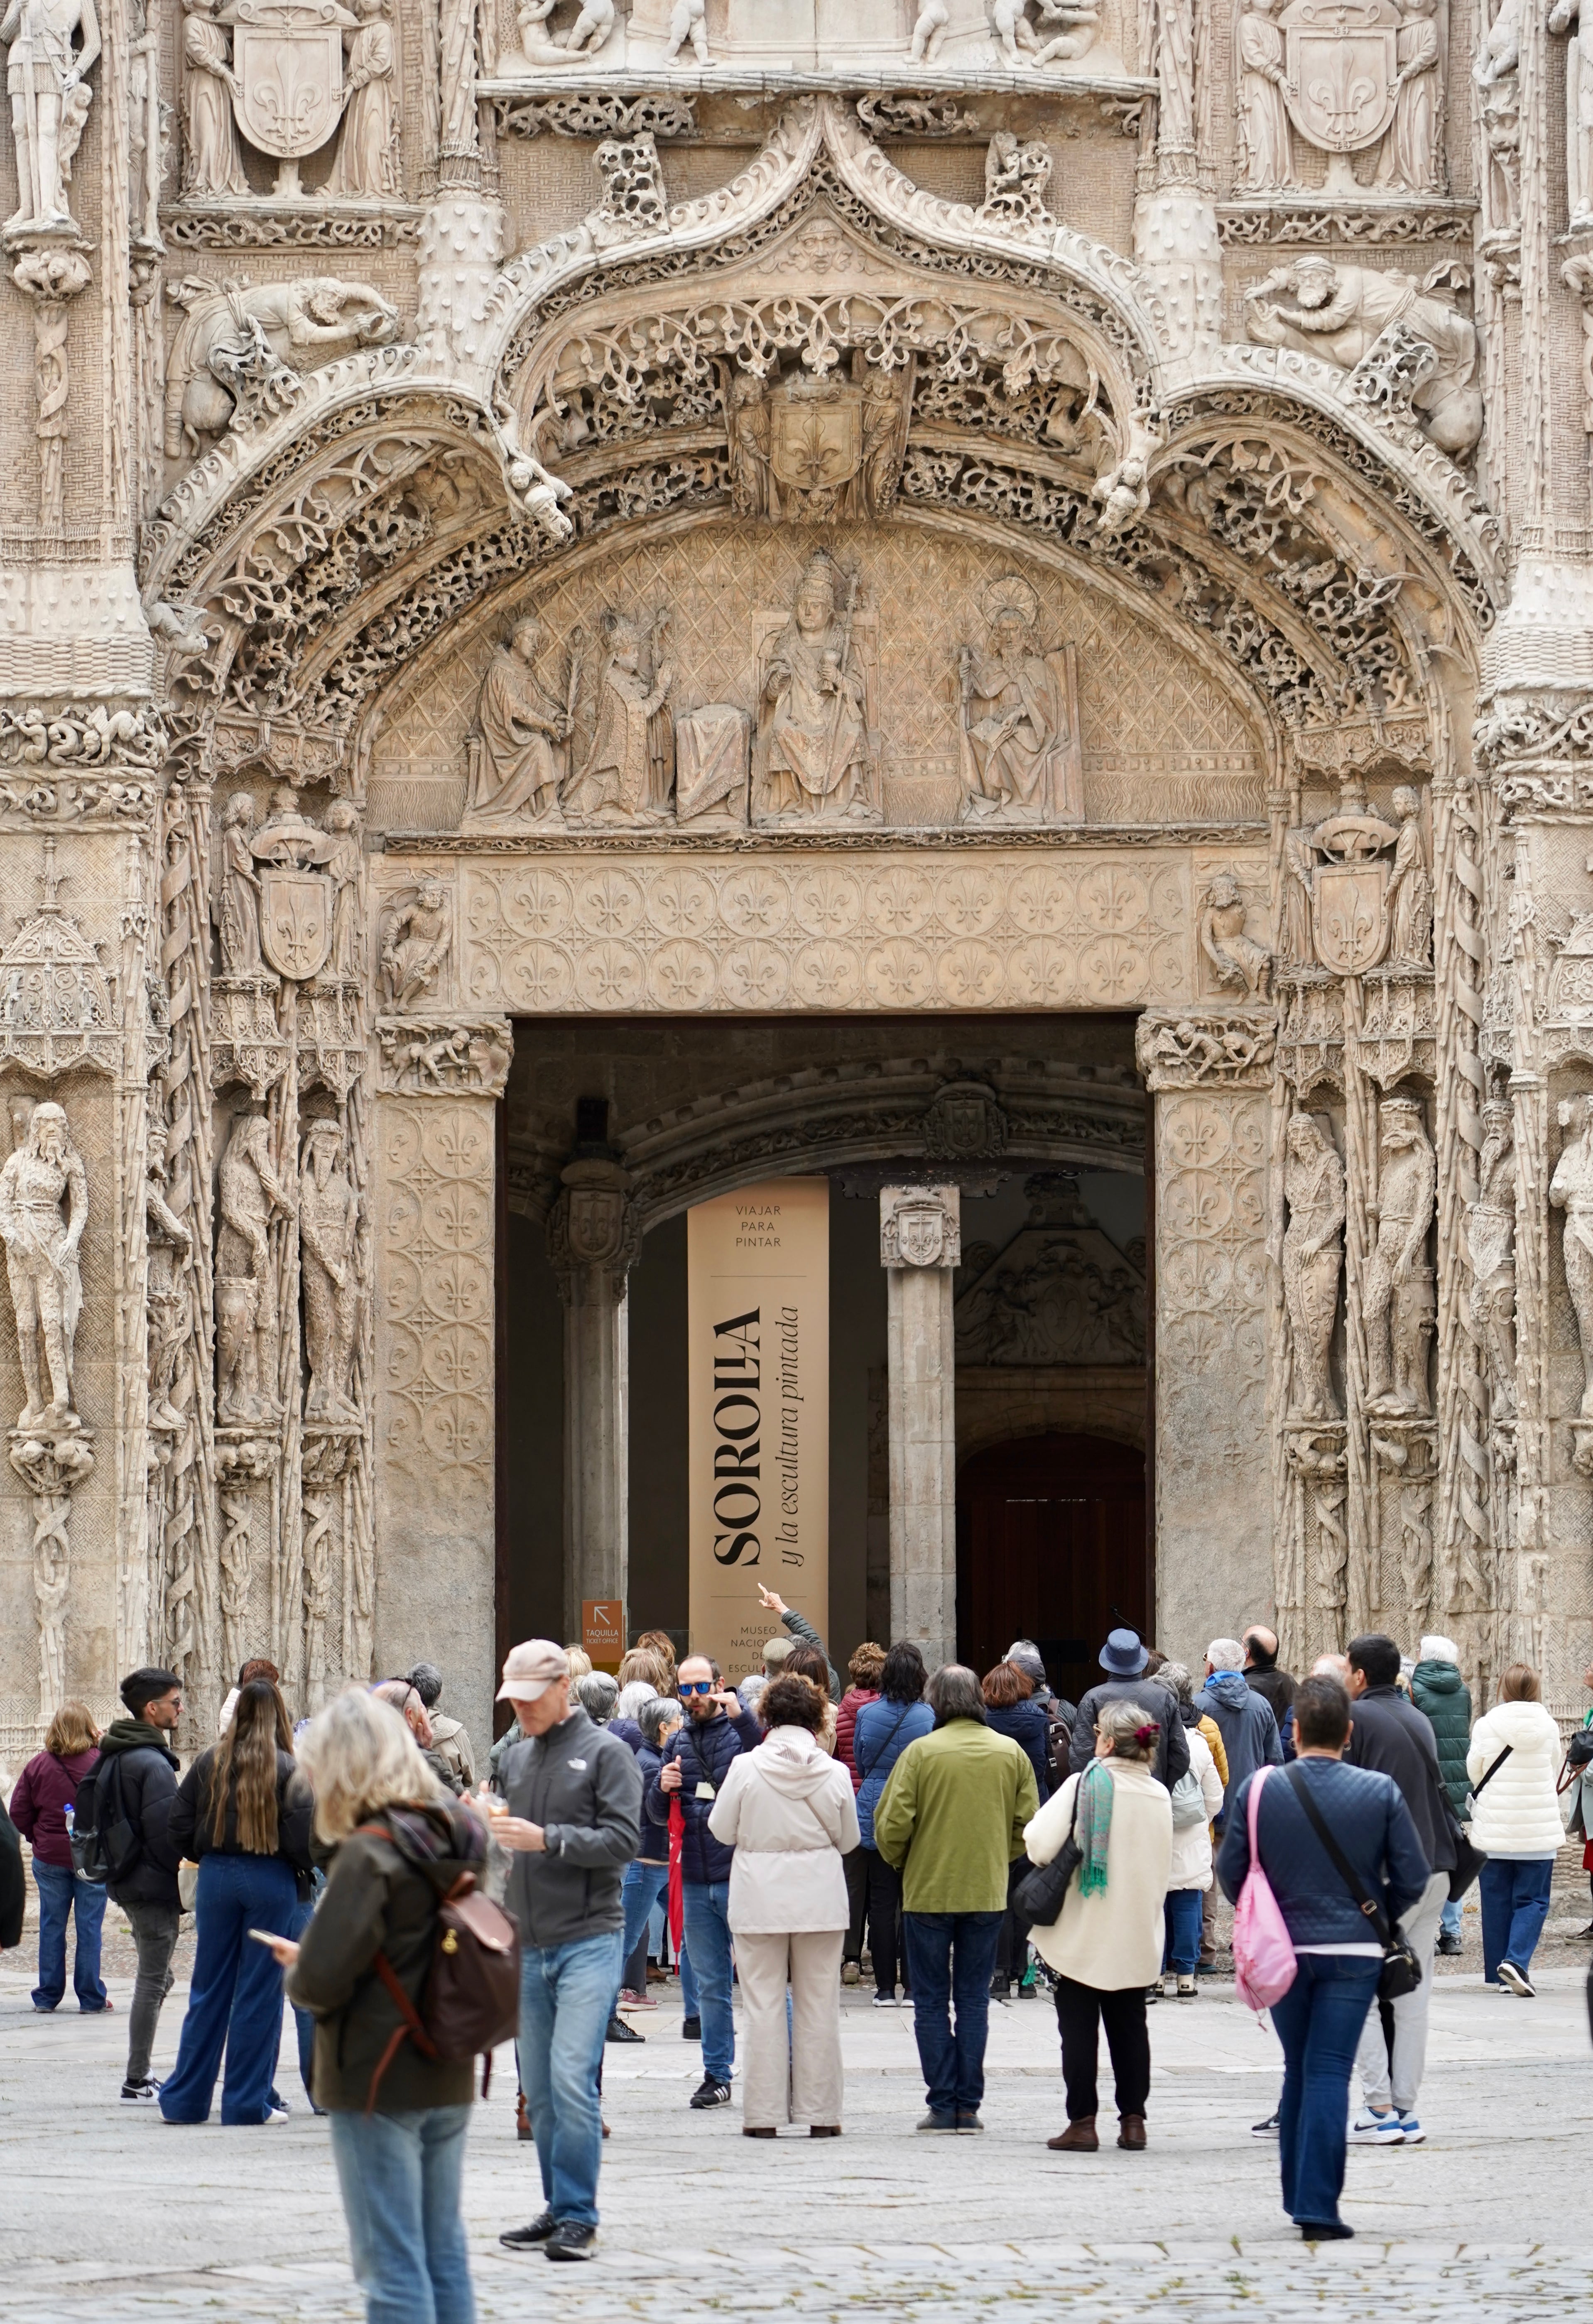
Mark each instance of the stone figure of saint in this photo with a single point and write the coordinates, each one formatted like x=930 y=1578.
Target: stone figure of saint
x=1571 y=1190
x=1409 y=898
x=1410 y=154
x=1237 y=959
x=1263 y=117
x=1299 y=867
x=1397 y=1302
x=1313 y=1256
x=343 y=862
x=416 y=944
x=753 y=491
x=212 y=165
x=1490 y=1237
x=46 y=80
x=523 y=731
x=616 y=779
x=237 y=897
x=44 y=1174
x=812 y=753
x=367 y=152
x=246 y=1314
x=1566 y=17
x=167 y=1298
x=329 y=1224
x=1019 y=747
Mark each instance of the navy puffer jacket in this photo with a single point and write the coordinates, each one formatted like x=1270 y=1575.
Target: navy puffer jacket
x=704 y=1752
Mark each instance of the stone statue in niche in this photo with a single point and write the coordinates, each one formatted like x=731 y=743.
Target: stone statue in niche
x=1263 y=113
x=1236 y=961
x=287 y=85
x=344 y=959
x=1490 y=1238
x=1412 y=151
x=236 y=908
x=212 y=164
x=237 y=357
x=415 y=941
x=1566 y=16
x=367 y=166
x=1386 y=329
x=1299 y=870
x=1398 y=1305
x=519 y=767
x=247 y=1327
x=1409 y=900
x=1497 y=76
x=44 y=1178
x=167 y=1299
x=52 y=44
x=1571 y=1190
x=629 y=772
x=328 y=1226
x=813 y=756
x=1022 y=754
x=1313 y=1260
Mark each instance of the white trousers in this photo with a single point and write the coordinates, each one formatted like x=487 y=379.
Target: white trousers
x=796 y=2079
x=1397 y=2082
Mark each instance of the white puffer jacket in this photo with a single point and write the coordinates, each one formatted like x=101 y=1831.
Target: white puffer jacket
x=1519 y=1813
x=1191 y=1842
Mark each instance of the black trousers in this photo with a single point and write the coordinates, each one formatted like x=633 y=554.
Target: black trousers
x=854 y=1864
x=885 y=1929
x=1080 y=2012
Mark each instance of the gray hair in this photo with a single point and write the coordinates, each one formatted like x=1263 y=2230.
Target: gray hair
x=358 y=1757
x=1180 y=1678
x=1439 y=1650
x=1026 y=1657
x=656 y=1718
x=1226 y=1654
x=597 y=1694
x=954 y=1692
x=428 y=1683
x=1124 y=1721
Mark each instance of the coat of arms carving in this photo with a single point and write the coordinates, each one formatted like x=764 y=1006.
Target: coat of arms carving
x=1341 y=69
x=287 y=84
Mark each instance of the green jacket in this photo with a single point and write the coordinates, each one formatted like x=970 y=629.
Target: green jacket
x=951 y=1818
x=1439 y=1690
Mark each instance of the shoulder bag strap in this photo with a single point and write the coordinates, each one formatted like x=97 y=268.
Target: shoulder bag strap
x=1480 y=1787
x=1253 y=1808
x=1341 y=1864
x=891 y=1738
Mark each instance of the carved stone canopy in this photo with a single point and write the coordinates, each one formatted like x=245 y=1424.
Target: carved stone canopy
x=55 y=996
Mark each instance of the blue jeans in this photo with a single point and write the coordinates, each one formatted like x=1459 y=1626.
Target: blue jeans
x=950 y=1959
x=1515 y=1893
x=567 y=1997
x=688 y=1983
x=707 y=1937
x=236 y=1997
x=1319 y=2021
x=1181 y=1918
x=399 y=2175
x=1449 y=1920
x=644 y=1884
x=63 y=1897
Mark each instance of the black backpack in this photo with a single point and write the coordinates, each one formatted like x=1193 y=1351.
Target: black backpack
x=105 y=1846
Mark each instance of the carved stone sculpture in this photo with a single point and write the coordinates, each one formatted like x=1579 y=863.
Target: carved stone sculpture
x=1022 y=755
x=624 y=778
x=1490 y=1238
x=167 y=1299
x=1497 y=76
x=1409 y=900
x=44 y=1211
x=1360 y=317
x=1236 y=961
x=48 y=277
x=929 y=28
x=246 y=1314
x=1566 y=16
x=1397 y=1296
x=811 y=756
x=212 y=164
x=1342 y=77
x=237 y=357
x=343 y=864
x=522 y=730
x=688 y=21
x=1412 y=154
x=1015 y=176
x=328 y=1223
x=238 y=891
x=810 y=450
x=52 y=44
x=1262 y=115
x=1571 y=1190
x=415 y=943
x=287 y=79
x=367 y=164
x=1313 y=1260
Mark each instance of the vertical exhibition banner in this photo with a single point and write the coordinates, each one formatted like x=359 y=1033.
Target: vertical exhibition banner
x=758 y=1324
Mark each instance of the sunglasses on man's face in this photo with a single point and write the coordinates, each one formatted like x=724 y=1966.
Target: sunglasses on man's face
x=696 y=1686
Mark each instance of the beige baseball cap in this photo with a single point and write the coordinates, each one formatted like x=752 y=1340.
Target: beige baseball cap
x=775 y=1650
x=531 y=1669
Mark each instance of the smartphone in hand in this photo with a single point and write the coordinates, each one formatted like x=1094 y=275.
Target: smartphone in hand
x=265 y=1936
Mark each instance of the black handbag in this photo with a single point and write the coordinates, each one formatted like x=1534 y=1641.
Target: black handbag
x=1402 y=1971
x=1040 y=1896
x=1469 y=1859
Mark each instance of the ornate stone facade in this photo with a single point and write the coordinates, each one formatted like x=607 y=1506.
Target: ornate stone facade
x=639 y=508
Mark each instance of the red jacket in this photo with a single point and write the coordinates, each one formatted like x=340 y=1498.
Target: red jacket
x=850 y=1704
x=45 y=1789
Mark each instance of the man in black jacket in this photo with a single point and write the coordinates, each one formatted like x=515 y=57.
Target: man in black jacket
x=136 y=1784
x=1124 y=1657
x=1262 y=1674
x=1391 y=1735
x=13 y=1889
x=572 y=1818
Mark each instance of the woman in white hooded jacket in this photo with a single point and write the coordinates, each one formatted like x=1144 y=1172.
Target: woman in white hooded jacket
x=1514 y=1766
x=788 y=1812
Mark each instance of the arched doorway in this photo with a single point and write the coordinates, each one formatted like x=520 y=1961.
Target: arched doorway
x=1049 y=1546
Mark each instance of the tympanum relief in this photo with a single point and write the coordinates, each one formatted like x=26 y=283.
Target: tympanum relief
x=1059 y=1292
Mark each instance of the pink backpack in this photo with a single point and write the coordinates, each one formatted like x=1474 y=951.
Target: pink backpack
x=1263 y=1955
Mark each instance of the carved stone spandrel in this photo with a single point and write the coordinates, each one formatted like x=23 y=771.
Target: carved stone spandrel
x=1184 y=1048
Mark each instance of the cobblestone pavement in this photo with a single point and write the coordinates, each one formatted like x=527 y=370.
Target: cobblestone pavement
x=106 y=2212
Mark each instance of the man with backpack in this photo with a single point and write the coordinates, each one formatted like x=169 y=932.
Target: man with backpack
x=1060 y=1713
x=126 y=1799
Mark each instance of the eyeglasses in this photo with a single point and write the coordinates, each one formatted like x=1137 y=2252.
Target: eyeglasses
x=696 y=1686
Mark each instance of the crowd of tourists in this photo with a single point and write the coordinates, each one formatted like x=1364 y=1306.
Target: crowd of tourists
x=965 y=1838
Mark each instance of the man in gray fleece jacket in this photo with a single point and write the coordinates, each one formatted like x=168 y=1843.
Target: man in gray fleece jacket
x=573 y=1817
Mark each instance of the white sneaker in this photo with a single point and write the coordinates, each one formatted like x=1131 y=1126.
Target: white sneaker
x=1369 y=2129
x=276 y=2114
x=886 y=2001
x=1519 y=1983
x=1414 y=2132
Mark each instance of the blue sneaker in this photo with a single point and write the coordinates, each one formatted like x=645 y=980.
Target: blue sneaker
x=1369 y=2129
x=1414 y=2132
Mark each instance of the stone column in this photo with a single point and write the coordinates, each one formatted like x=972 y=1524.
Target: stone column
x=920 y=1242
x=593 y=1240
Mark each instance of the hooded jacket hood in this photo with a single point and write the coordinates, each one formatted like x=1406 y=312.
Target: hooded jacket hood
x=1439 y=1678
x=794 y=1762
x=440 y=1840
x=1522 y=1725
x=1231 y=1687
x=134 y=1735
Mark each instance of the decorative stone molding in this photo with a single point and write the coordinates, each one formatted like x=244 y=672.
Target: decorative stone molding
x=1243 y=224
x=51 y=1466
x=600 y=112
x=1192 y=1049
x=420 y=1057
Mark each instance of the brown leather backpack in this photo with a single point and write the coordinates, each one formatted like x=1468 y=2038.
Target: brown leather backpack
x=471 y=1998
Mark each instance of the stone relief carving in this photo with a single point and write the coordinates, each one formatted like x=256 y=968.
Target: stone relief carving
x=628 y=773
x=1571 y=1190
x=1397 y=1303
x=422 y=1058
x=1181 y=1051
x=247 y=1314
x=920 y=1227
x=1022 y=755
x=517 y=751
x=50 y=277
x=238 y=355
x=813 y=756
x=415 y=940
x=1236 y=961
x=1312 y=1259
x=44 y=1211
x=51 y=1467
x=212 y=161
x=329 y=1224
x=1401 y=344
x=1498 y=77
x=1060 y=1292
x=1347 y=77
x=806 y=450
x=963 y=1121
x=1490 y=1241
x=1566 y=17
x=55 y=1000
x=367 y=166
x=52 y=44
x=169 y=1246
x=1358 y=889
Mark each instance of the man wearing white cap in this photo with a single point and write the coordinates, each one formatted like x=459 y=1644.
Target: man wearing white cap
x=573 y=1816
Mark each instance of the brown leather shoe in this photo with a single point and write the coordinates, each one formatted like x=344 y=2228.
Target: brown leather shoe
x=522 y=2120
x=1078 y=2138
x=1131 y=2132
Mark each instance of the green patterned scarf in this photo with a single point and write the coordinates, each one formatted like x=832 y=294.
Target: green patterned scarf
x=1094 y=1826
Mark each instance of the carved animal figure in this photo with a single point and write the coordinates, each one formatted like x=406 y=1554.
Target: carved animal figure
x=291 y=325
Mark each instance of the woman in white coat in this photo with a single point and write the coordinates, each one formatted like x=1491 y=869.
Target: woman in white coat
x=787 y=1810
x=1196 y=1799
x=1514 y=1766
x=1106 y=1948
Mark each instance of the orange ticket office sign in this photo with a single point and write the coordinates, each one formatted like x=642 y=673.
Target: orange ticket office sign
x=602 y=1632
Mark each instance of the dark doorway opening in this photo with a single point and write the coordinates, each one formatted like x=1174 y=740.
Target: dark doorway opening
x=1050 y=1546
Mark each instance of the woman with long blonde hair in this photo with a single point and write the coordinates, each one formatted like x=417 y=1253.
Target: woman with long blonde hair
x=242 y=1811
x=46 y=1788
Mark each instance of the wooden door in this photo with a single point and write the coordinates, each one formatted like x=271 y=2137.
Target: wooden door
x=1049 y=1546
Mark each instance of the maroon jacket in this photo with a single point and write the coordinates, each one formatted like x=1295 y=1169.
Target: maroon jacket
x=850 y=1704
x=45 y=1789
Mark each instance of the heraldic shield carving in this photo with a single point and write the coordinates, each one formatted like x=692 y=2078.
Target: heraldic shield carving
x=1350 y=920
x=287 y=85
x=816 y=436
x=295 y=920
x=1340 y=64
